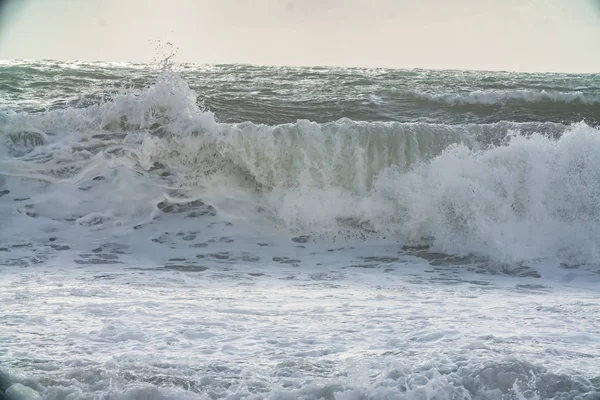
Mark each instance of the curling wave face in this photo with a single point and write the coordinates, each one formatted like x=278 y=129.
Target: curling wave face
x=510 y=191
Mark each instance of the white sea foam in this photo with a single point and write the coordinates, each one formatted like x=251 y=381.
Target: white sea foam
x=491 y=97
x=255 y=330
x=149 y=251
x=485 y=189
x=533 y=198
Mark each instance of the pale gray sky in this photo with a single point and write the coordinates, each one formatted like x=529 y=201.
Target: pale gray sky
x=523 y=35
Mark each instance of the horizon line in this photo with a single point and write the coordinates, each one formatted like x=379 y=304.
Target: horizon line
x=283 y=65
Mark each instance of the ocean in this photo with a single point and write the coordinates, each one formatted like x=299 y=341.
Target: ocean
x=176 y=231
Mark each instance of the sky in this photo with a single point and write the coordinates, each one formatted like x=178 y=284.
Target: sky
x=514 y=35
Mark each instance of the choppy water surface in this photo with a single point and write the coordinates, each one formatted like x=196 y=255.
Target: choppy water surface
x=241 y=232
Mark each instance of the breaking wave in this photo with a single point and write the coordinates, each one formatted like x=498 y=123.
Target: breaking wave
x=510 y=191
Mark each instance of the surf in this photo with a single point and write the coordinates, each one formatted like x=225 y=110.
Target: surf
x=509 y=191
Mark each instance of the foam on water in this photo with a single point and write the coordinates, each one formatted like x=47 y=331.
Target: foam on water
x=533 y=198
x=491 y=97
x=496 y=190
x=252 y=331
x=151 y=251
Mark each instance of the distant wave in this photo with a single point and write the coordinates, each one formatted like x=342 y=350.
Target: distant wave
x=493 y=97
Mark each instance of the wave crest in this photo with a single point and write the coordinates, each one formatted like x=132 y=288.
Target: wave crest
x=511 y=191
x=498 y=97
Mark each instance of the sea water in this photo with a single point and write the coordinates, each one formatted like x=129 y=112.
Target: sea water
x=243 y=232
